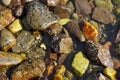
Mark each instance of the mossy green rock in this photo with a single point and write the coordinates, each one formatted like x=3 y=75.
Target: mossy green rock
x=104 y=3
x=80 y=64
x=116 y=2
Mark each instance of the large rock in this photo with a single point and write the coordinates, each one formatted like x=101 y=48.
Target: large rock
x=102 y=15
x=39 y=17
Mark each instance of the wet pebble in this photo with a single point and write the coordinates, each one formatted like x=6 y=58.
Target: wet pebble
x=39 y=17
x=7 y=40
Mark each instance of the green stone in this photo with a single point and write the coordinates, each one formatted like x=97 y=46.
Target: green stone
x=104 y=3
x=80 y=64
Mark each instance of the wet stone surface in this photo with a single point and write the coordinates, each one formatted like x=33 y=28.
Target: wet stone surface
x=39 y=17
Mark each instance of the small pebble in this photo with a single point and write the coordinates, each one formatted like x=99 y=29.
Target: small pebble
x=6 y=2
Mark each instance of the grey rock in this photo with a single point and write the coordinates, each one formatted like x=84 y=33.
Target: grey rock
x=39 y=17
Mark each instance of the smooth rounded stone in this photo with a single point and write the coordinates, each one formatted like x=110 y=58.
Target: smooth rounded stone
x=116 y=2
x=6 y=2
x=39 y=17
x=9 y=59
x=7 y=40
x=104 y=3
x=102 y=15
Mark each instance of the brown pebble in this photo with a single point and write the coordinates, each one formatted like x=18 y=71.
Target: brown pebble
x=18 y=11
x=25 y=1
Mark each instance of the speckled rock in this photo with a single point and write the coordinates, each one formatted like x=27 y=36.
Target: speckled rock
x=102 y=15
x=104 y=3
x=7 y=40
x=39 y=17
x=28 y=70
x=26 y=42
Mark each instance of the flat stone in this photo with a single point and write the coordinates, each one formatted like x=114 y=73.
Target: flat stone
x=102 y=15
x=82 y=7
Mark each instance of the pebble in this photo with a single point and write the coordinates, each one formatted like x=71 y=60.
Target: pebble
x=102 y=15
x=6 y=2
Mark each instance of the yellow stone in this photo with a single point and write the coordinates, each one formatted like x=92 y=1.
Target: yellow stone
x=110 y=73
x=15 y=26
